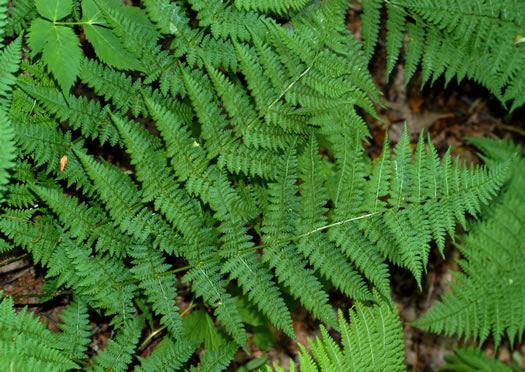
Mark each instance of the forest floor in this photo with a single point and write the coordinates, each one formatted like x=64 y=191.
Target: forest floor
x=449 y=114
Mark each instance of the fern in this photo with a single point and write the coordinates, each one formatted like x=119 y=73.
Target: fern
x=456 y=39
x=75 y=329
x=370 y=341
x=27 y=345
x=180 y=156
x=483 y=299
x=470 y=360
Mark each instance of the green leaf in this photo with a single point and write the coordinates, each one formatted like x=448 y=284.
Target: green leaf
x=109 y=49
x=62 y=54
x=54 y=9
x=91 y=13
x=107 y=46
x=40 y=32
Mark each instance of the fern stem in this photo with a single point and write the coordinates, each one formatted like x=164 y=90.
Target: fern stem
x=280 y=241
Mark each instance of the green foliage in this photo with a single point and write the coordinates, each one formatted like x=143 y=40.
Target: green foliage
x=26 y=344
x=457 y=39
x=175 y=153
x=372 y=340
x=485 y=297
x=473 y=360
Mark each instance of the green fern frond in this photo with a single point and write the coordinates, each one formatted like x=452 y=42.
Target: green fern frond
x=78 y=218
x=323 y=255
x=394 y=37
x=169 y=355
x=279 y=225
x=27 y=345
x=120 y=350
x=473 y=360
x=149 y=267
x=218 y=360
x=372 y=340
x=456 y=39
x=39 y=139
x=110 y=84
x=256 y=281
x=213 y=122
x=185 y=152
x=40 y=239
x=86 y=115
x=98 y=278
x=483 y=299
x=208 y=283
x=8 y=153
x=370 y=22
x=10 y=58
x=127 y=209
x=75 y=328
x=20 y=16
x=279 y=7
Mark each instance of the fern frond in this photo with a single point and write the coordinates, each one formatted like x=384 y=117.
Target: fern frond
x=127 y=210
x=370 y=22
x=216 y=52
x=185 y=152
x=394 y=37
x=40 y=239
x=371 y=341
x=111 y=84
x=39 y=139
x=279 y=7
x=208 y=283
x=149 y=267
x=218 y=360
x=86 y=115
x=77 y=217
x=10 y=58
x=75 y=335
x=279 y=225
x=8 y=154
x=239 y=158
x=414 y=48
x=169 y=355
x=256 y=281
x=20 y=16
x=213 y=122
x=482 y=300
x=323 y=255
x=471 y=360
x=171 y=19
x=121 y=349
x=97 y=278
x=27 y=345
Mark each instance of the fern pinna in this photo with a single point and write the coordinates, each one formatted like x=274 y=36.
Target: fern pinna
x=192 y=156
x=479 y=40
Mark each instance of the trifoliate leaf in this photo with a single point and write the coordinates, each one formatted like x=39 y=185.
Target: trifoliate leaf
x=109 y=49
x=62 y=55
x=54 y=9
